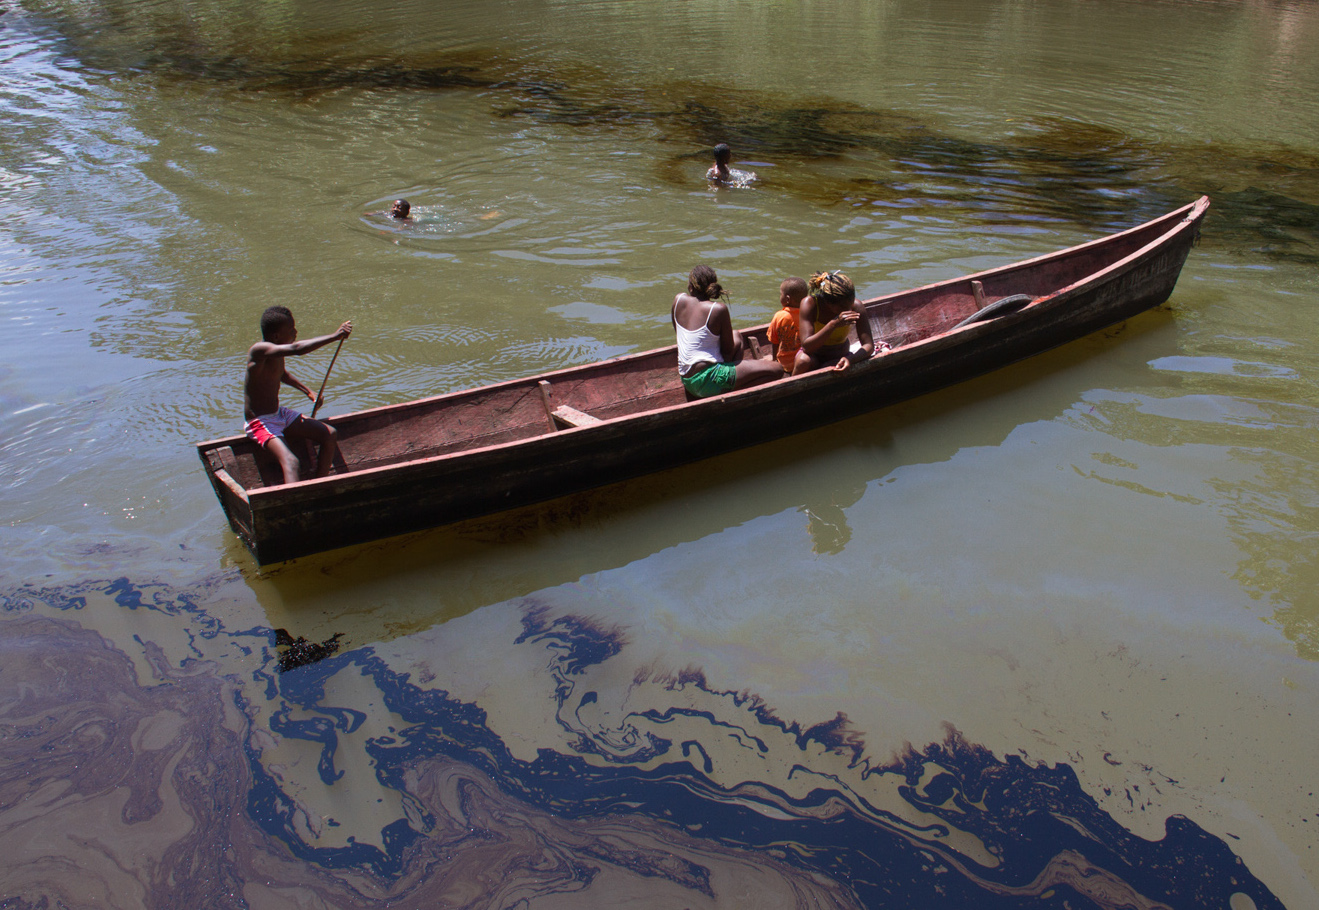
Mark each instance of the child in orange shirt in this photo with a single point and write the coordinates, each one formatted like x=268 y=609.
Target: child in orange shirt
x=784 y=329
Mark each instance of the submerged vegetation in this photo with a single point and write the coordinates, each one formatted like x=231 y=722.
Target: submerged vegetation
x=828 y=152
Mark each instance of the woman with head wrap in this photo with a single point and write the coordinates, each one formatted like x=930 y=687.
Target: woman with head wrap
x=828 y=316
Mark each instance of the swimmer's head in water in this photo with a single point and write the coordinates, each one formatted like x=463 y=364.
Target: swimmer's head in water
x=833 y=288
x=400 y=208
x=722 y=153
x=703 y=284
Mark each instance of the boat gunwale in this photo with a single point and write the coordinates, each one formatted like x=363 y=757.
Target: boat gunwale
x=1181 y=218
x=1193 y=210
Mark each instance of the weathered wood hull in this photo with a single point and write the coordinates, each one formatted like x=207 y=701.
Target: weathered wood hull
x=439 y=460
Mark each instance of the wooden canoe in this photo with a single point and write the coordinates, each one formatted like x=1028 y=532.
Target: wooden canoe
x=426 y=463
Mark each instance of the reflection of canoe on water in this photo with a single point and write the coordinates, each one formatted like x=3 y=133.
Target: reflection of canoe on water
x=424 y=463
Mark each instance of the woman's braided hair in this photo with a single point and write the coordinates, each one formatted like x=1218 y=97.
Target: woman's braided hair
x=703 y=284
x=834 y=287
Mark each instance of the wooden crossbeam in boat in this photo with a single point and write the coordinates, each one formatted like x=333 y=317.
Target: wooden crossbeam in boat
x=230 y=484
x=978 y=292
x=245 y=473
x=545 y=399
x=225 y=468
x=573 y=417
x=228 y=461
x=563 y=414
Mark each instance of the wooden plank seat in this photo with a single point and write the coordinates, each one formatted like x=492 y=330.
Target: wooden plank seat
x=571 y=417
x=563 y=415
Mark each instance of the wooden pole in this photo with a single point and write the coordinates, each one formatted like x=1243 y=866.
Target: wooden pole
x=317 y=406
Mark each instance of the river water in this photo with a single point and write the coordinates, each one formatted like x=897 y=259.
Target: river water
x=1049 y=638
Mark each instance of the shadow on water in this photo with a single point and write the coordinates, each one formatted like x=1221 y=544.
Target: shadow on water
x=1271 y=224
x=463 y=567
x=828 y=152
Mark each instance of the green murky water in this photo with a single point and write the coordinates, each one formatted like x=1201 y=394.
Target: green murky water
x=1101 y=561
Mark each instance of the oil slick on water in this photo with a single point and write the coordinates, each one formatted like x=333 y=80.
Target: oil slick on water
x=361 y=779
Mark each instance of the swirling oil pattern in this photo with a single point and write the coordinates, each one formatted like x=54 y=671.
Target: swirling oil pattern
x=136 y=778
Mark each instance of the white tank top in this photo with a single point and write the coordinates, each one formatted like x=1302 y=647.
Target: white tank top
x=696 y=346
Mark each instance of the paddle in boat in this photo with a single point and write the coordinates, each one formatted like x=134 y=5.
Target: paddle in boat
x=425 y=463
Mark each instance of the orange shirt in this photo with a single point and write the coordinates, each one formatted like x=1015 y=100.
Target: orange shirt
x=783 y=331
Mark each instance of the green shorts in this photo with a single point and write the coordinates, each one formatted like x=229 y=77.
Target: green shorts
x=715 y=379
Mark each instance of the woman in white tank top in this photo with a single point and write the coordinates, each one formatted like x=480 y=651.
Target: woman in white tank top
x=709 y=351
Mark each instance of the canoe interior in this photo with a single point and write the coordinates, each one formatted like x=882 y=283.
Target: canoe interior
x=423 y=463
x=514 y=411
x=478 y=418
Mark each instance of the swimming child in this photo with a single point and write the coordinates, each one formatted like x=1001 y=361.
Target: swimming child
x=268 y=422
x=784 y=328
x=828 y=315
x=399 y=210
x=709 y=350
x=722 y=174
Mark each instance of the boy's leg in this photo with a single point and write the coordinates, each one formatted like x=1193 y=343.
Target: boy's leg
x=323 y=435
x=288 y=462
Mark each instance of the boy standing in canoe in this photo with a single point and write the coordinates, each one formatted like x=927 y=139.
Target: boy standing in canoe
x=268 y=422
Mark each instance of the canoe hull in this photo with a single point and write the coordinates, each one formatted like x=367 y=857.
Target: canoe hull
x=283 y=522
